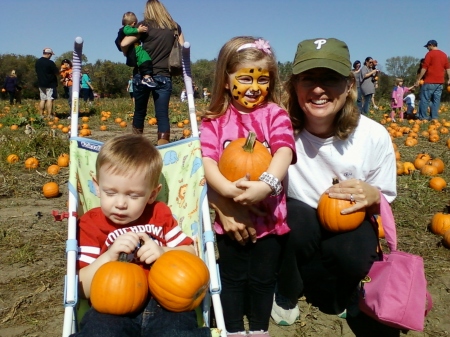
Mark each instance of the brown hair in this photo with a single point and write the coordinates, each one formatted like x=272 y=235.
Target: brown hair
x=126 y=154
x=398 y=80
x=345 y=121
x=156 y=12
x=227 y=62
x=128 y=18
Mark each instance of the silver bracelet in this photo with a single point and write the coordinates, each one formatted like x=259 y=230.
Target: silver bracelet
x=273 y=182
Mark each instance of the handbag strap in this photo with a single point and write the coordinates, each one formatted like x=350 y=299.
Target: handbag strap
x=387 y=219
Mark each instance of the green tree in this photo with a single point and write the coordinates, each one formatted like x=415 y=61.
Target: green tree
x=403 y=67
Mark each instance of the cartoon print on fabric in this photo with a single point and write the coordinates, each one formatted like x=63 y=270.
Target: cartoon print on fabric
x=250 y=86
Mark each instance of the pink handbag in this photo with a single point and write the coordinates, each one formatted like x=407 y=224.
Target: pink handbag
x=395 y=290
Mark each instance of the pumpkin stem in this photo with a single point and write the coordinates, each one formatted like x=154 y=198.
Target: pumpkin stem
x=250 y=142
x=123 y=257
x=335 y=181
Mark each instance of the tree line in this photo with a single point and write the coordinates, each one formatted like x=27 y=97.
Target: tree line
x=110 y=79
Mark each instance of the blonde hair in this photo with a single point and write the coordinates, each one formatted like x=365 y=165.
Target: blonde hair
x=156 y=12
x=128 y=18
x=398 y=80
x=228 y=61
x=345 y=121
x=13 y=73
x=129 y=153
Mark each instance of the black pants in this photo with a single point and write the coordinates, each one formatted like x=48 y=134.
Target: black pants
x=248 y=276
x=346 y=256
x=146 y=68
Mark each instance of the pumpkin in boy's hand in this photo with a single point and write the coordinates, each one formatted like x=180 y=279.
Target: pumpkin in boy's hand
x=119 y=287
x=178 y=280
x=244 y=156
x=330 y=217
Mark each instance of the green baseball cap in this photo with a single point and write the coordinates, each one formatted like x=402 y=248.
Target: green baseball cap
x=322 y=53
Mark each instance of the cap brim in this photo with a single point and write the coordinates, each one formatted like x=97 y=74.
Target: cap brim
x=338 y=67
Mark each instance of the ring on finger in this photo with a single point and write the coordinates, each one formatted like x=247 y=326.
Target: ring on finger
x=351 y=198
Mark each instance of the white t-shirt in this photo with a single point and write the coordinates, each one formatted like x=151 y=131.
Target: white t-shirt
x=410 y=99
x=367 y=154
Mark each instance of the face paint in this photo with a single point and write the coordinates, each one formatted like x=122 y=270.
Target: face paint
x=250 y=86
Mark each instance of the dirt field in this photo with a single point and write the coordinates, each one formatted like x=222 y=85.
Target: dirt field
x=32 y=266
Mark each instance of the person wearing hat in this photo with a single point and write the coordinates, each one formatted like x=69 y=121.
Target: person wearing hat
x=66 y=80
x=46 y=72
x=433 y=72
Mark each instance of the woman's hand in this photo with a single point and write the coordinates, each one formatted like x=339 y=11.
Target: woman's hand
x=361 y=194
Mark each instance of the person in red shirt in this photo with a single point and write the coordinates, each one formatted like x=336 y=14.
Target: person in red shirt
x=433 y=75
x=129 y=220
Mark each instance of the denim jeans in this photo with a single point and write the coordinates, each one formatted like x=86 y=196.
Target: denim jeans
x=248 y=275
x=430 y=93
x=161 y=97
x=367 y=100
x=343 y=258
x=359 y=103
x=152 y=321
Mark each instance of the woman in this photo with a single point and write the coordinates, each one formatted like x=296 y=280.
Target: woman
x=367 y=74
x=158 y=42
x=11 y=85
x=332 y=140
x=86 y=88
x=356 y=70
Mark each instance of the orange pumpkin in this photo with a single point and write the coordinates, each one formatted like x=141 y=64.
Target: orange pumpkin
x=123 y=124
x=53 y=170
x=63 y=160
x=408 y=167
x=14 y=127
x=152 y=121
x=50 y=190
x=437 y=183
x=380 y=227
x=440 y=223
x=178 y=280
x=438 y=163
x=186 y=132
x=103 y=128
x=330 y=217
x=12 y=158
x=31 y=163
x=244 y=156
x=429 y=170
x=119 y=287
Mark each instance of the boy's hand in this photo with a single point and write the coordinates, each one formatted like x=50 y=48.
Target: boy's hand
x=142 y=29
x=125 y=243
x=149 y=251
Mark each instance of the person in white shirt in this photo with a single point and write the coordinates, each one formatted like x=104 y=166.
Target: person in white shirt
x=183 y=96
x=409 y=100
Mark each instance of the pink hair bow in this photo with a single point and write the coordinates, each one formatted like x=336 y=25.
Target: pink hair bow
x=258 y=44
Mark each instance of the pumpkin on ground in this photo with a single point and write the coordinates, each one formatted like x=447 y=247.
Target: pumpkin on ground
x=440 y=223
x=12 y=158
x=53 y=170
x=438 y=183
x=330 y=217
x=63 y=160
x=244 y=156
x=31 y=163
x=178 y=280
x=50 y=190
x=119 y=287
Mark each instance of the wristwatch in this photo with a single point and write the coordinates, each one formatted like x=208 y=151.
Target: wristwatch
x=273 y=182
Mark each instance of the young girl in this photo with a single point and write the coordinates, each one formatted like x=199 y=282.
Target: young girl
x=397 y=98
x=244 y=99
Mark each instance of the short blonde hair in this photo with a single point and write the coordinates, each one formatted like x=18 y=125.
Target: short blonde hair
x=228 y=61
x=345 y=121
x=126 y=154
x=398 y=80
x=128 y=18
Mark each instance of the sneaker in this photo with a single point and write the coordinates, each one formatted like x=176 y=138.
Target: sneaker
x=149 y=82
x=260 y=333
x=237 y=334
x=283 y=311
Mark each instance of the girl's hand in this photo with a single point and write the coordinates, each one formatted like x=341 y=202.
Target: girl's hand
x=254 y=192
x=149 y=251
x=125 y=243
x=361 y=193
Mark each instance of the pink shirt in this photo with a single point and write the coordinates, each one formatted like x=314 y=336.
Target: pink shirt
x=397 y=96
x=273 y=128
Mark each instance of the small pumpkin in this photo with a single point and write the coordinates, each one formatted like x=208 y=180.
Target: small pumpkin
x=31 y=163
x=440 y=223
x=12 y=158
x=408 y=167
x=119 y=287
x=438 y=163
x=103 y=128
x=53 y=170
x=178 y=280
x=437 y=183
x=63 y=160
x=244 y=156
x=380 y=227
x=123 y=124
x=429 y=170
x=330 y=217
x=50 y=190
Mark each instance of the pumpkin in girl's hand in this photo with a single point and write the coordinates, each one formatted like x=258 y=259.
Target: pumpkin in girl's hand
x=330 y=217
x=380 y=227
x=119 y=287
x=50 y=190
x=178 y=280
x=244 y=156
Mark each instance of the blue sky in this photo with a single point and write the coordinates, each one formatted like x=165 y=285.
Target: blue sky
x=380 y=29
